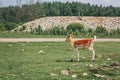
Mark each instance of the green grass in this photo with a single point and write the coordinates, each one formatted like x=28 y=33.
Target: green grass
x=8 y=34
x=28 y=64
x=26 y=35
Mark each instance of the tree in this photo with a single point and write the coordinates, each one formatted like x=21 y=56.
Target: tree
x=110 y=11
x=65 y=9
x=27 y=12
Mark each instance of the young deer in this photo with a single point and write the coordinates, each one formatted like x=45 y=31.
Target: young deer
x=82 y=44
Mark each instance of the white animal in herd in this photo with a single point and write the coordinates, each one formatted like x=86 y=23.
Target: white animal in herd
x=82 y=44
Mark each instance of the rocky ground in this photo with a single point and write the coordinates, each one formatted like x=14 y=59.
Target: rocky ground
x=63 y=21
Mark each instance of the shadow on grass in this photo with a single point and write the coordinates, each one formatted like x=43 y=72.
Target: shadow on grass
x=82 y=60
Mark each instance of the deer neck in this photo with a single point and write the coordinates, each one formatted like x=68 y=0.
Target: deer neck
x=71 y=42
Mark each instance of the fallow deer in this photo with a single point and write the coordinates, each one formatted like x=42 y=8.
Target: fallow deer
x=82 y=44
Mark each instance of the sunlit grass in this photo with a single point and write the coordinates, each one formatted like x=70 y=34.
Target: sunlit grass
x=22 y=61
x=8 y=34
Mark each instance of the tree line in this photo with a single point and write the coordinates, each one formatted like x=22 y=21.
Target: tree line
x=27 y=12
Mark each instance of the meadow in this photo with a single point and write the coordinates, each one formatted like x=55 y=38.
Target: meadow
x=23 y=61
x=8 y=34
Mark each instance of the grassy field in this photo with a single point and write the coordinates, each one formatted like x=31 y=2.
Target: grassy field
x=7 y=34
x=26 y=35
x=22 y=61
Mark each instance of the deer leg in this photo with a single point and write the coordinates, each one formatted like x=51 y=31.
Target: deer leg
x=93 y=53
x=73 y=55
x=78 y=55
x=77 y=51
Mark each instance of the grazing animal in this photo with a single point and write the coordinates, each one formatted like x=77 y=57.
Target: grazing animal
x=82 y=44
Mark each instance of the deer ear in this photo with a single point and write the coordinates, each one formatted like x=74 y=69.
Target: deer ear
x=71 y=34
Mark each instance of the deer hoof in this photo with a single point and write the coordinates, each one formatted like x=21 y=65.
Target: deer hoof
x=71 y=60
x=93 y=60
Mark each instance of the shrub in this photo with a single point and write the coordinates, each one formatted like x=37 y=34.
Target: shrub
x=90 y=30
x=115 y=32
x=55 y=31
x=118 y=30
x=10 y=25
x=58 y=31
x=39 y=30
x=23 y=27
x=2 y=28
x=100 y=29
x=75 y=28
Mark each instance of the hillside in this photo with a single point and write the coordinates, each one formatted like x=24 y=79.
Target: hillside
x=63 y=21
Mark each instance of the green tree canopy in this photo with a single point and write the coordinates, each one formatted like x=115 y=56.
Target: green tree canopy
x=29 y=12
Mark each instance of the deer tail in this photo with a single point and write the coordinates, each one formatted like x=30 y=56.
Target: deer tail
x=94 y=37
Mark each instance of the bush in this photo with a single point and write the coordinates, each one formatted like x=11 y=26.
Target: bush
x=55 y=31
x=115 y=32
x=90 y=30
x=2 y=28
x=39 y=30
x=10 y=25
x=118 y=30
x=23 y=27
x=100 y=29
x=58 y=31
x=51 y=31
x=75 y=28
